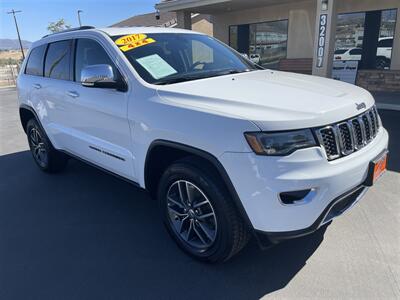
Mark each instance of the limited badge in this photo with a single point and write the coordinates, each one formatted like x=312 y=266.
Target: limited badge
x=132 y=41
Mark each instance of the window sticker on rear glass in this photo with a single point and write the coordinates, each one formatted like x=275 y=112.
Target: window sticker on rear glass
x=156 y=66
x=132 y=41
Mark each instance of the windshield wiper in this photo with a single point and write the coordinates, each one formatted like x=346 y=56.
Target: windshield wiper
x=183 y=78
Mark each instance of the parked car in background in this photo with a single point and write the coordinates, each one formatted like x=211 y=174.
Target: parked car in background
x=255 y=58
x=183 y=116
x=384 y=52
x=348 y=54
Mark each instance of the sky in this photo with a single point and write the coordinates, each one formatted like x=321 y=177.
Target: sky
x=37 y=14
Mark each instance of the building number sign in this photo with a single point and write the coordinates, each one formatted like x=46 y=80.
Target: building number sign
x=321 y=40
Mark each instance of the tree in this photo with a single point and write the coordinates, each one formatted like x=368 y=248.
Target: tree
x=58 y=26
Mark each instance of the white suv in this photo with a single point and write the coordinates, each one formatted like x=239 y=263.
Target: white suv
x=228 y=149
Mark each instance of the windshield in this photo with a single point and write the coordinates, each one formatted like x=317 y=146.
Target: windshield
x=166 y=58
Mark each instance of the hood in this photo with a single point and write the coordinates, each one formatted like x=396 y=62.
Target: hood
x=272 y=100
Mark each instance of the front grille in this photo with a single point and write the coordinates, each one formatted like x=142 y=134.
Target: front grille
x=344 y=138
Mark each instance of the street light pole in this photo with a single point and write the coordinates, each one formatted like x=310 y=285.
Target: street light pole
x=16 y=26
x=79 y=17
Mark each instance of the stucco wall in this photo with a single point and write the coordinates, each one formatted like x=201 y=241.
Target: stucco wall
x=301 y=16
x=203 y=26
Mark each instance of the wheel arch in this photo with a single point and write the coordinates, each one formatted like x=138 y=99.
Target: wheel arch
x=26 y=113
x=172 y=151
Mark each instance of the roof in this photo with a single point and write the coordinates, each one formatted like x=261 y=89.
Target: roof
x=140 y=29
x=112 y=31
x=147 y=20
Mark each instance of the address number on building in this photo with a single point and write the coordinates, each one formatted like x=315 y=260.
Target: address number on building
x=321 y=40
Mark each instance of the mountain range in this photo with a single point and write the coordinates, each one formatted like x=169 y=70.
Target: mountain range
x=13 y=44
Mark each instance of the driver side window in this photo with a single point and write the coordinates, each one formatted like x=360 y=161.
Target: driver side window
x=88 y=53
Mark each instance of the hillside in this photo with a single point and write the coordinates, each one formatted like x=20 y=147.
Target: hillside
x=13 y=44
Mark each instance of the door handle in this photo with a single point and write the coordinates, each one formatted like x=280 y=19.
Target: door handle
x=37 y=86
x=73 y=94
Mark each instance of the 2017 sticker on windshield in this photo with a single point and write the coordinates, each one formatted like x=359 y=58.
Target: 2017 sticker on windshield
x=132 y=41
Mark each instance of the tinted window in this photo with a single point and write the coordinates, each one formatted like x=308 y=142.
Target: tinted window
x=341 y=51
x=387 y=43
x=88 y=53
x=58 y=59
x=34 y=66
x=356 y=52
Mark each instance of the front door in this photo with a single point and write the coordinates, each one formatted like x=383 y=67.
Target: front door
x=95 y=119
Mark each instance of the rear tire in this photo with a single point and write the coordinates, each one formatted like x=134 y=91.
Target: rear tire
x=46 y=157
x=199 y=213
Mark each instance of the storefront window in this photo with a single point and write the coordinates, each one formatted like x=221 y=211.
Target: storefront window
x=268 y=43
x=233 y=35
x=265 y=43
x=385 y=41
x=366 y=37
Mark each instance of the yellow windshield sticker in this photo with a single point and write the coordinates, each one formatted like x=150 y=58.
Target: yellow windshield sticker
x=130 y=38
x=132 y=41
x=137 y=44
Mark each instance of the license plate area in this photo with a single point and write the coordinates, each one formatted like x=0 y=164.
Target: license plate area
x=376 y=168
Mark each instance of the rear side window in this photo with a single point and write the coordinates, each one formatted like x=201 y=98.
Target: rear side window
x=356 y=52
x=34 y=66
x=386 y=43
x=88 y=53
x=58 y=61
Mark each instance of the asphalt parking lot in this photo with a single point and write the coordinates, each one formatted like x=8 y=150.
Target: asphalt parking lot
x=84 y=234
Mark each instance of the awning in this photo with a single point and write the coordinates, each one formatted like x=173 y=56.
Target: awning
x=215 y=6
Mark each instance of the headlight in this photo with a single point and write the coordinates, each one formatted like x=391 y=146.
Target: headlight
x=280 y=143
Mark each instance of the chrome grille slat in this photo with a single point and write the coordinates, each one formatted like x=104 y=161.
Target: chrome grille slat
x=367 y=126
x=346 y=137
x=377 y=118
x=357 y=133
x=346 y=141
x=373 y=122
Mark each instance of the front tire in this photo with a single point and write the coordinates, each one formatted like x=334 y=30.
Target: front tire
x=199 y=213
x=382 y=63
x=46 y=157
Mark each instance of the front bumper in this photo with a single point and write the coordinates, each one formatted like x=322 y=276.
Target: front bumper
x=259 y=180
x=334 y=209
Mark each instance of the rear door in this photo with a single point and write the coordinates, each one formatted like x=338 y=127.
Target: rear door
x=95 y=124
x=30 y=80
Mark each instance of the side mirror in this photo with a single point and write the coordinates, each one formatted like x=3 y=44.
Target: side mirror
x=101 y=76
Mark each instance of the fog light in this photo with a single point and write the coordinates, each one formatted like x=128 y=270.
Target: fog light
x=297 y=197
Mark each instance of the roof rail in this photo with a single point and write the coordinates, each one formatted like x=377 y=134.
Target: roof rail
x=70 y=29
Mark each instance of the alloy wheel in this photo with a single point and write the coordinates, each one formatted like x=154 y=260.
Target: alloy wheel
x=192 y=215
x=38 y=147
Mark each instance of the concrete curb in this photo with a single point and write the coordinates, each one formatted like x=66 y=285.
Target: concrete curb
x=8 y=87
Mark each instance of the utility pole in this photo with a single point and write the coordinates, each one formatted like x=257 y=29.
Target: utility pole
x=79 y=17
x=16 y=26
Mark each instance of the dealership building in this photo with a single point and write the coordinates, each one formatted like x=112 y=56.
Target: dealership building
x=352 y=40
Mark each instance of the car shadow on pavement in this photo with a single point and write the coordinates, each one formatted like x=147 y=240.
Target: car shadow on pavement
x=84 y=234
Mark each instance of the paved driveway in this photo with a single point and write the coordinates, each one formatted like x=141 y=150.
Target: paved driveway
x=84 y=234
